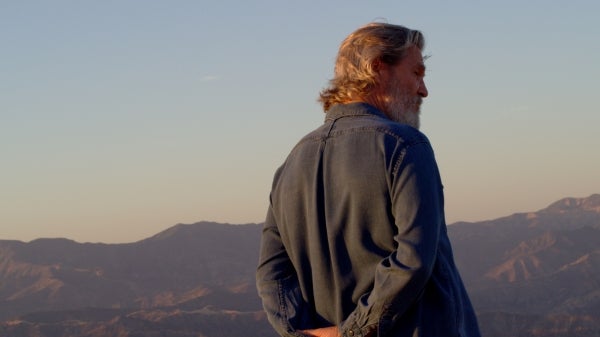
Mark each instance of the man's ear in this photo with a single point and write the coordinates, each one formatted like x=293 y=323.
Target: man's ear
x=381 y=70
x=376 y=65
x=379 y=67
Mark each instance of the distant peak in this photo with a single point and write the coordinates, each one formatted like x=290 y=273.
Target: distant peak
x=199 y=228
x=591 y=203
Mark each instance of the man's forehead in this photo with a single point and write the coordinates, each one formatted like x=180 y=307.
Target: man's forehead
x=414 y=58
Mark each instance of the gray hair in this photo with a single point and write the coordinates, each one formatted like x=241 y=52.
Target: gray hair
x=355 y=74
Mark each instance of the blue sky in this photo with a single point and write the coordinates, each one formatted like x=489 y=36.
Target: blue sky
x=119 y=119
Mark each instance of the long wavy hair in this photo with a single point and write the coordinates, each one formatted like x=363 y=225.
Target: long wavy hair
x=355 y=74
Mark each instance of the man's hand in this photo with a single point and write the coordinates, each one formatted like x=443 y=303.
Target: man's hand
x=331 y=331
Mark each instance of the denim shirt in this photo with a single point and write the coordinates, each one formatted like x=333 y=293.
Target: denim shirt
x=355 y=235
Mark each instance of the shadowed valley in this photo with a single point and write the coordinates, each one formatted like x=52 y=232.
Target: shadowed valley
x=530 y=274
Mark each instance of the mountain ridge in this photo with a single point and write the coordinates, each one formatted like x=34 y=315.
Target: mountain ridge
x=535 y=273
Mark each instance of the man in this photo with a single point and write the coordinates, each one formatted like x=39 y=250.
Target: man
x=355 y=243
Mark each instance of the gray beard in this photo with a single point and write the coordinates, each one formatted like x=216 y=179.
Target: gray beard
x=403 y=108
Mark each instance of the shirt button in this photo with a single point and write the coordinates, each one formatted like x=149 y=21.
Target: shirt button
x=351 y=333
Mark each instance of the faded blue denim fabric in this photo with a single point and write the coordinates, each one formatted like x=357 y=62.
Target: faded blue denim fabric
x=355 y=234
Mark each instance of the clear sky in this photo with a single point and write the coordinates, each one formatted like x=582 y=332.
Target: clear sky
x=119 y=119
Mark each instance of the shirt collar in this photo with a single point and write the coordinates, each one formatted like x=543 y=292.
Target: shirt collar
x=352 y=109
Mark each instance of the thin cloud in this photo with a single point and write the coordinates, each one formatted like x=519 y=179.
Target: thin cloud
x=519 y=108
x=209 y=78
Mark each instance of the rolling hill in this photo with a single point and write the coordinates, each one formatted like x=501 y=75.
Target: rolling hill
x=528 y=274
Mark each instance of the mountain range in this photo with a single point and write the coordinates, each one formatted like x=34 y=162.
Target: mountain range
x=528 y=274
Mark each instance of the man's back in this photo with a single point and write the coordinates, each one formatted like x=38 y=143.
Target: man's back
x=356 y=228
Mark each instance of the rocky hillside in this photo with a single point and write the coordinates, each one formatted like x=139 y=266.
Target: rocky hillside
x=188 y=266
x=530 y=274
x=536 y=273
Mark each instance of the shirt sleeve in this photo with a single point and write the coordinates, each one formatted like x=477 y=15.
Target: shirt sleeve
x=417 y=206
x=278 y=285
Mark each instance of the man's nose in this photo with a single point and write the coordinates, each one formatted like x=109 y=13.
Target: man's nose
x=423 y=92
